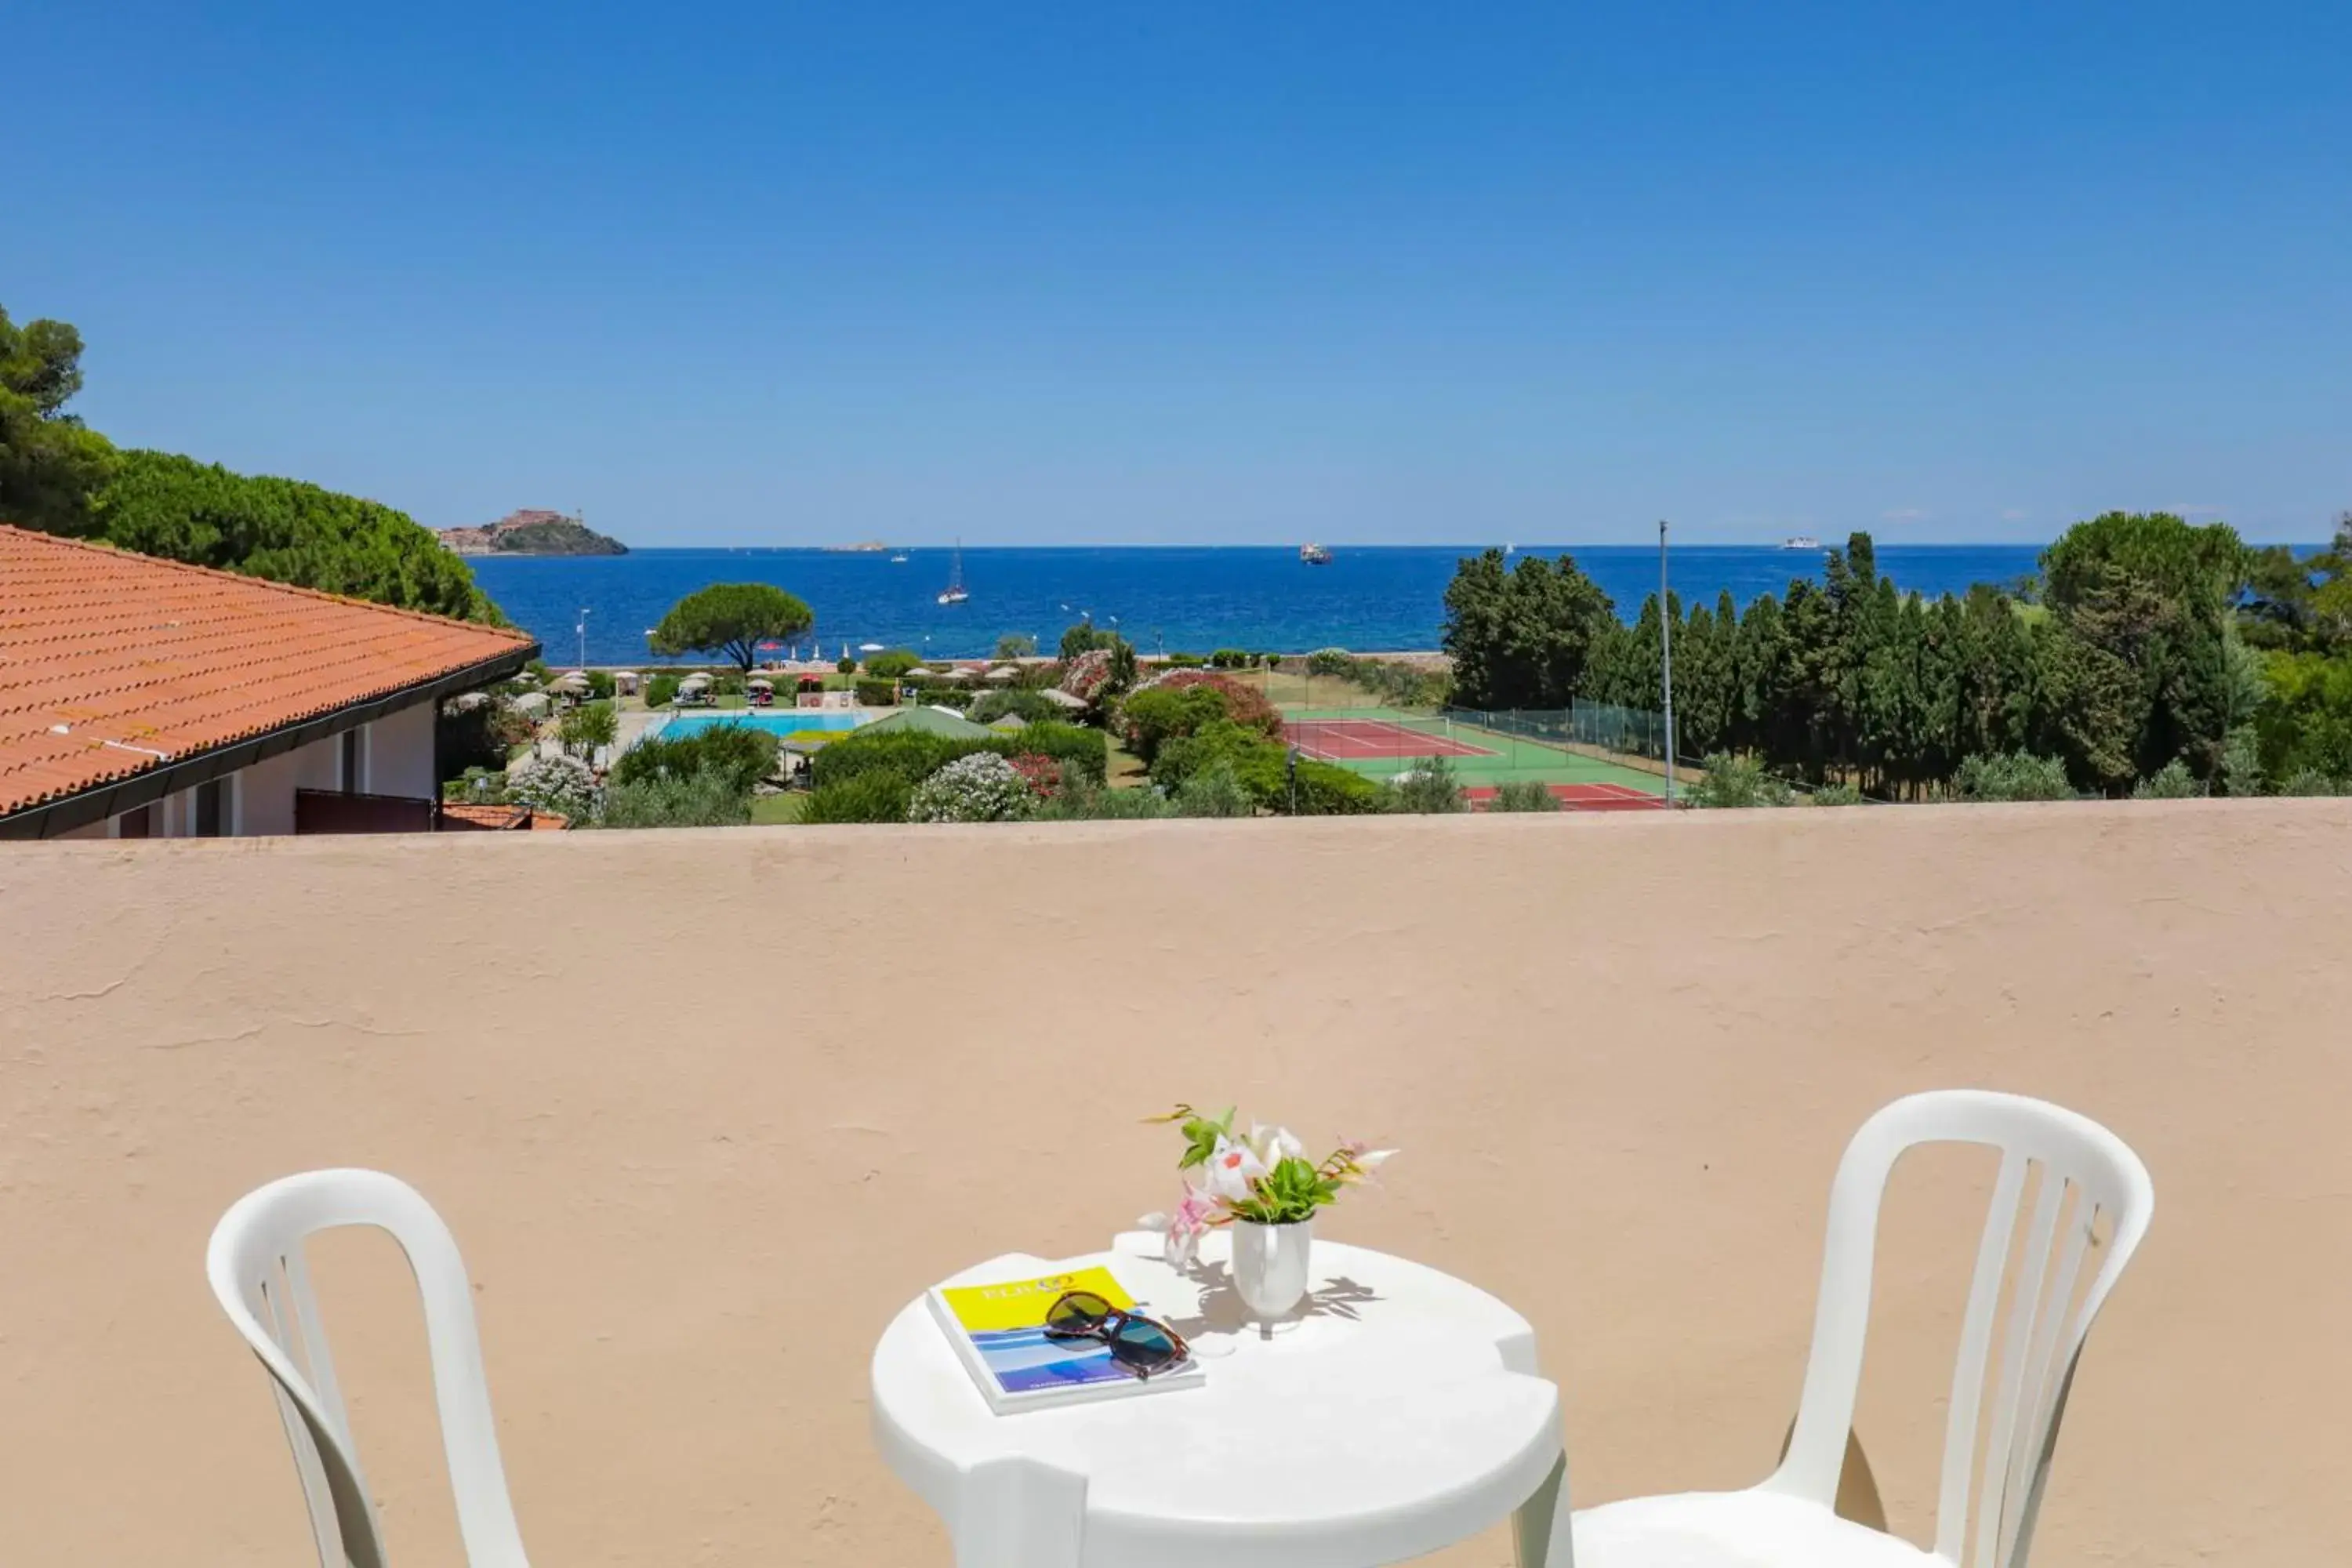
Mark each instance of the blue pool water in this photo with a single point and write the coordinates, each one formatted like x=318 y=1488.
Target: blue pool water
x=779 y=721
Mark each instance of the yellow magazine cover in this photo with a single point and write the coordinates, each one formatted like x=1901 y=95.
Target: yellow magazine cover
x=999 y=1329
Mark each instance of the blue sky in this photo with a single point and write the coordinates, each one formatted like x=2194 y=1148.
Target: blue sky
x=783 y=273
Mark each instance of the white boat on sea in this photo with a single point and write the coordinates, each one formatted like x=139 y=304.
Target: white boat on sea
x=1801 y=542
x=956 y=593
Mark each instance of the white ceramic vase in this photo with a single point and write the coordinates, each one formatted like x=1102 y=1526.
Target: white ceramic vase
x=1270 y=1266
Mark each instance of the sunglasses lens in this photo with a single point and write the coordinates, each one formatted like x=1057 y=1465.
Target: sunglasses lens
x=1145 y=1346
x=1079 y=1312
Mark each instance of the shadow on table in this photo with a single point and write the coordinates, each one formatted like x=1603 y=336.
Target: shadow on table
x=1223 y=1311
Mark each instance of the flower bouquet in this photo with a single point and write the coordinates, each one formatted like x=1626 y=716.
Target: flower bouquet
x=1267 y=1190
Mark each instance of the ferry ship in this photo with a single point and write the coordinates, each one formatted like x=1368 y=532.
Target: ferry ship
x=1801 y=542
x=1314 y=555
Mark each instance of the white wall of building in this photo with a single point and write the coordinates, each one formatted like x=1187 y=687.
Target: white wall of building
x=266 y=791
x=396 y=757
x=400 y=753
x=317 y=765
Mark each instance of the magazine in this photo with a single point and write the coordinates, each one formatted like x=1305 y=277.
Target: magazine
x=998 y=1329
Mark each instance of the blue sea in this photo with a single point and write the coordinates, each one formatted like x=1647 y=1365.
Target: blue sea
x=1171 y=599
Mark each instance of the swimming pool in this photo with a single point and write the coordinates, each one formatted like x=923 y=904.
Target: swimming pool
x=775 y=721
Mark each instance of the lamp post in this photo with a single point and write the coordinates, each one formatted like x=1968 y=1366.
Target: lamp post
x=1666 y=658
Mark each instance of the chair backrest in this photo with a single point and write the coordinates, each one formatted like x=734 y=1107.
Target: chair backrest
x=2082 y=1173
x=256 y=1266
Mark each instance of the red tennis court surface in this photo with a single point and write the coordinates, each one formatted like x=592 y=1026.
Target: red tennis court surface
x=1582 y=797
x=1361 y=740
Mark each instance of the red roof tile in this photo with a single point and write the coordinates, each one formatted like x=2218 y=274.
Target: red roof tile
x=112 y=663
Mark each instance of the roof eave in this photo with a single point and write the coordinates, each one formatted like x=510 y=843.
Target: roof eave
x=63 y=813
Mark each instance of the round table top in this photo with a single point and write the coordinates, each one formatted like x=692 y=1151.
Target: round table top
x=1399 y=1412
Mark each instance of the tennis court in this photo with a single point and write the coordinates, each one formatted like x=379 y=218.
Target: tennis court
x=1485 y=752
x=1367 y=739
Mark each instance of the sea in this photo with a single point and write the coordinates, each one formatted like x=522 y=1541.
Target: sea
x=1372 y=599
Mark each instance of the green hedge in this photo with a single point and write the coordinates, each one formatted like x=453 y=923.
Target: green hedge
x=912 y=755
x=1164 y=713
x=1031 y=706
x=1326 y=789
x=701 y=800
x=739 y=754
x=660 y=689
x=1261 y=767
x=876 y=797
x=878 y=693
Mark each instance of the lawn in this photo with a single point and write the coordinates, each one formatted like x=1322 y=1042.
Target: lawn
x=775 y=810
x=1121 y=767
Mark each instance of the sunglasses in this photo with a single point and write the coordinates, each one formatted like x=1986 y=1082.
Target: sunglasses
x=1138 y=1344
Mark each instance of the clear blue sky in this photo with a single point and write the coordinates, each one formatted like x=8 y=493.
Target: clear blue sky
x=785 y=273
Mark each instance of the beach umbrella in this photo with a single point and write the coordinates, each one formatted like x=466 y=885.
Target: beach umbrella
x=759 y=681
x=1061 y=698
x=625 y=675
x=1004 y=672
x=955 y=675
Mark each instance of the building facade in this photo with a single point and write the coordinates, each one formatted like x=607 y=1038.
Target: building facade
x=148 y=699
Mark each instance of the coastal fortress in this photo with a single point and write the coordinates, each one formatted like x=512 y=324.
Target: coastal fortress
x=531 y=533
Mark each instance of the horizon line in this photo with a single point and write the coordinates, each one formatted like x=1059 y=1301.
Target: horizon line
x=1541 y=547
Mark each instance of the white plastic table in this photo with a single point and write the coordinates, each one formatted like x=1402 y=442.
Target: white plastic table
x=1401 y=1413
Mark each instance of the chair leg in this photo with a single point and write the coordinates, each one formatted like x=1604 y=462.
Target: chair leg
x=1540 y=1533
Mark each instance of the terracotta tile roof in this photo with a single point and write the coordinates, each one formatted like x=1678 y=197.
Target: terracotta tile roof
x=466 y=816
x=112 y=663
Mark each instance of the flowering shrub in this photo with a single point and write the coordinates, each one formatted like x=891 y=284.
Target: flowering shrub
x=1264 y=1178
x=1098 y=672
x=564 y=785
x=1085 y=676
x=1245 y=705
x=983 y=788
x=1042 y=774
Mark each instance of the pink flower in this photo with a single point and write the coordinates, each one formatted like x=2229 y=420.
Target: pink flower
x=1181 y=1232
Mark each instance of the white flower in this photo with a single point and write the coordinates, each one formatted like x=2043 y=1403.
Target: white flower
x=1373 y=1159
x=1231 y=1168
x=1274 y=1145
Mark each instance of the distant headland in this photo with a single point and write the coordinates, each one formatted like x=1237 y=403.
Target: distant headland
x=531 y=534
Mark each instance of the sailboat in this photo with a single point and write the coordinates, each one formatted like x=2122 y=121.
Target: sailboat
x=955 y=594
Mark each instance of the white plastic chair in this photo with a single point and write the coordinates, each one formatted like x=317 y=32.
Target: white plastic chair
x=2084 y=1173
x=256 y=1267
